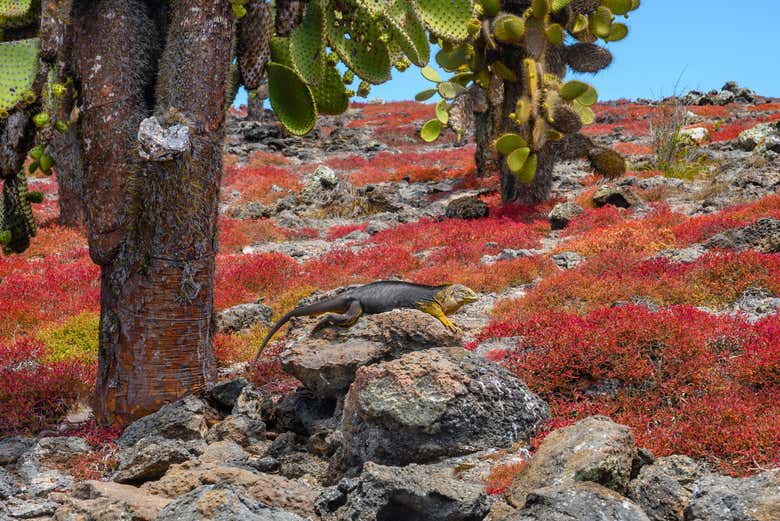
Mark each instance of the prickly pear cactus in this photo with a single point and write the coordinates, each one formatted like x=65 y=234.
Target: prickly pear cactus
x=29 y=92
x=517 y=52
x=370 y=37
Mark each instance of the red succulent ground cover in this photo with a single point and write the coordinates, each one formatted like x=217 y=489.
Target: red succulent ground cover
x=687 y=381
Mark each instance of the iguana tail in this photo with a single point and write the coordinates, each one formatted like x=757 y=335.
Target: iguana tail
x=338 y=304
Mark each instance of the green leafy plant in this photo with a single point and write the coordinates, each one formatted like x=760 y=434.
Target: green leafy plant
x=676 y=153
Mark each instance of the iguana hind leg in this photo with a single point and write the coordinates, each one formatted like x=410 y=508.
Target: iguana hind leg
x=434 y=309
x=345 y=319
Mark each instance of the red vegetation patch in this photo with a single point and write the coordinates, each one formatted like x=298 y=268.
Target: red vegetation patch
x=714 y=281
x=414 y=166
x=490 y=278
x=668 y=374
x=33 y=394
x=36 y=290
x=765 y=107
x=396 y=113
x=256 y=183
x=337 y=232
x=464 y=239
x=245 y=278
x=700 y=228
x=609 y=229
x=633 y=149
x=710 y=111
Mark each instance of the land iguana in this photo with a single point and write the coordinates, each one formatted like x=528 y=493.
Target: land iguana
x=377 y=297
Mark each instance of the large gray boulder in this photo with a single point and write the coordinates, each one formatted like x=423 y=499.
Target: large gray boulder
x=432 y=404
x=406 y=493
x=664 y=489
x=593 y=449
x=722 y=498
x=43 y=466
x=94 y=497
x=184 y=419
x=224 y=395
x=579 y=502
x=221 y=503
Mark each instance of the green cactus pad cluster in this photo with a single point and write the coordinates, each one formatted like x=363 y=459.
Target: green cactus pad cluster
x=17 y=217
x=18 y=65
x=307 y=44
x=254 y=32
x=291 y=99
x=526 y=44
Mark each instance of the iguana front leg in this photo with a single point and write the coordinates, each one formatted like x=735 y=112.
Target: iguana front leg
x=345 y=319
x=434 y=309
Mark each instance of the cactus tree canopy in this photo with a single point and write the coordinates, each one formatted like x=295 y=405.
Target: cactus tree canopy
x=509 y=72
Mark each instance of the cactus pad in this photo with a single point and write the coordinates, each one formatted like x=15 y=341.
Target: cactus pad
x=408 y=33
x=17 y=214
x=307 y=44
x=291 y=99
x=587 y=57
x=254 y=33
x=18 y=64
x=447 y=19
x=369 y=59
x=565 y=120
x=331 y=95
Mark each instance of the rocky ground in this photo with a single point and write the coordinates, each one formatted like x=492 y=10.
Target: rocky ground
x=394 y=419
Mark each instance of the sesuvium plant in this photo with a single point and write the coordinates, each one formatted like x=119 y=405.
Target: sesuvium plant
x=508 y=83
x=31 y=87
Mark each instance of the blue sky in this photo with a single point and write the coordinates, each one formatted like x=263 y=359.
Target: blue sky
x=703 y=43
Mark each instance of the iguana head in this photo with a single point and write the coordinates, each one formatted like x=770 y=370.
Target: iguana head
x=452 y=297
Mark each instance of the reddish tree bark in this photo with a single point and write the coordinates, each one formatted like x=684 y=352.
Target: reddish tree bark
x=152 y=225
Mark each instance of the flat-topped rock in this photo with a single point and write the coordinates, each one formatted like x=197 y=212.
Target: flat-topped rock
x=327 y=361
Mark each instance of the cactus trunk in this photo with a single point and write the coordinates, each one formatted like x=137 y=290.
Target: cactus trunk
x=152 y=225
x=493 y=122
x=66 y=151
